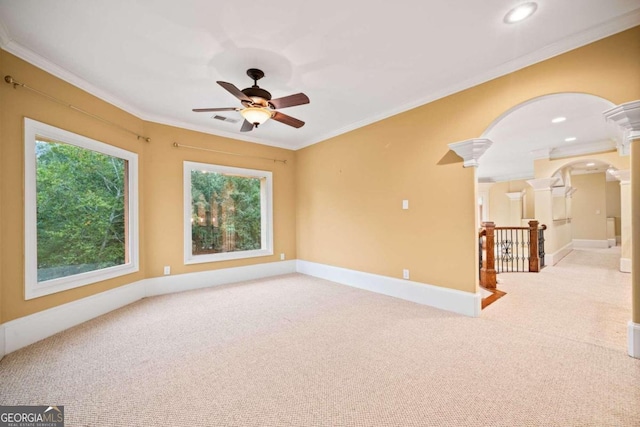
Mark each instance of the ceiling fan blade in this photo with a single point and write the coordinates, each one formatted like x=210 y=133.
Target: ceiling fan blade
x=206 y=110
x=287 y=120
x=290 y=101
x=246 y=126
x=235 y=91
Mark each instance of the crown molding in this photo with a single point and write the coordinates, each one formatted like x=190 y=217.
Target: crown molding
x=574 y=150
x=471 y=150
x=224 y=134
x=4 y=35
x=517 y=176
x=77 y=81
x=62 y=73
x=582 y=38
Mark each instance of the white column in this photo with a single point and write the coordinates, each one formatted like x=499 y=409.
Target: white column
x=624 y=177
x=627 y=117
x=544 y=213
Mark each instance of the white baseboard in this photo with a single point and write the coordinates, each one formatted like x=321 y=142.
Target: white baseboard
x=586 y=243
x=633 y=339
x=611 y=242
x=554 y=258
x=27 y=330
x=35 y=327
x=625 y=265
x=205 y=279
x=2 y=341
x=446 y=299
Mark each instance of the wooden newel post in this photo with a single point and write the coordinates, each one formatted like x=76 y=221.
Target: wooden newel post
x=534 y=259
x=488 y=271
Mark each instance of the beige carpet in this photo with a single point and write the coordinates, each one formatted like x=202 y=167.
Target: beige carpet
x=299 y=351
x=584 y=297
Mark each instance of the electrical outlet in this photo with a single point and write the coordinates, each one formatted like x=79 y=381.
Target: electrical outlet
x=405 y=204
x=282 y=257
x=405 y=274
x=167 y=270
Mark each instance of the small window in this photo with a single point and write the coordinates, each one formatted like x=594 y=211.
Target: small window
x=228 y=213
x=80 y=210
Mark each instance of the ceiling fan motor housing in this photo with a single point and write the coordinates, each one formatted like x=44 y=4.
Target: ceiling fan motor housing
x=256 y=92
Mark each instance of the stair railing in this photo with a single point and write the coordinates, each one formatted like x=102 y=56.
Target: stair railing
x=509 y=249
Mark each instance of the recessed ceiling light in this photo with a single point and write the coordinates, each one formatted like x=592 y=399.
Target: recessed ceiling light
x=520 y=12
x=558 y=119
x=590 y=164
x=571 y=138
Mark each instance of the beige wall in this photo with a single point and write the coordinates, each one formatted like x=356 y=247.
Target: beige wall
x=612 y=190
x=164 y=194
x=347 y=191
x=20 y=103
x=350 y=187
x=160 y=183
x=589 y=205
x=501 y=207
x=499 y=204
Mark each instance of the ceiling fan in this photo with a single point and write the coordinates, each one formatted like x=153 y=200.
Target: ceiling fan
x=257 y=105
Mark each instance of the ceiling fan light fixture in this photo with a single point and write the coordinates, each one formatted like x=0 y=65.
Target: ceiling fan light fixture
x=520 y=12
x=256 y=115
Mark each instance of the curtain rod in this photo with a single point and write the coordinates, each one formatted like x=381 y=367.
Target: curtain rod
x=176 y=145
x=10 y=80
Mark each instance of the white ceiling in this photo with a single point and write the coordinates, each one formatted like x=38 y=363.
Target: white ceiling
x=526 y=133
x=358 y=61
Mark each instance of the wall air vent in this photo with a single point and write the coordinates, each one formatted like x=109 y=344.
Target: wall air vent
x=225 y=119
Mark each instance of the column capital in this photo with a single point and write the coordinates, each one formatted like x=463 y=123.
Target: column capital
x=542 y=184
x=627 y=118
x=471 y=150
x=624 y=176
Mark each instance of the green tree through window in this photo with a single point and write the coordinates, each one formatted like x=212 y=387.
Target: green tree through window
x=81 y=222
x=226 y=213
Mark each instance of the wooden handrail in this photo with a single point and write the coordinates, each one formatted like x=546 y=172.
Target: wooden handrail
x=487 y=270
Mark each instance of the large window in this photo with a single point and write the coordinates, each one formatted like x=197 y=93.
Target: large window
x=80 y=210
x=227 y=212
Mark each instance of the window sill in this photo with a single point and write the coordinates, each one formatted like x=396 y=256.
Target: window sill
x=65 y=283
x=226 y=256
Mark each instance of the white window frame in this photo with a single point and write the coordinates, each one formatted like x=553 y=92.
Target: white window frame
x=266 y=213
x=33 y=289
